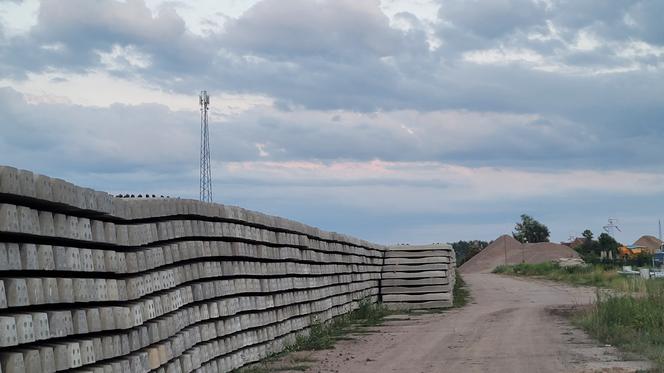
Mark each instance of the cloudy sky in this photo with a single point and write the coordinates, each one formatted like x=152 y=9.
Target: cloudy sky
x=395 y=120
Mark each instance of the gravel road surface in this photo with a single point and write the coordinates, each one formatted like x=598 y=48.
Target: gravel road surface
x=512 y=325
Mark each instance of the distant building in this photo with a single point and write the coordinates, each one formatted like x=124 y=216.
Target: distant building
x=574 y=243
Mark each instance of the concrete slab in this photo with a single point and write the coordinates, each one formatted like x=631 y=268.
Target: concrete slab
x=87 y=352
x=50 y=288
x=411 y=261
x=25 y=332
x=107 y=318
x=132 y=262
x=411 y=253
x=415 y=282
x=72 y=227
x=419 y=305
x=45 y=259
x=111 y=261
x=47 y=359
x=80 y=321
x=9 y=221
x=35 y=291
x=28 y=254
x=3 y=296
x=16 y=290
x=123 y=319
x=13 y=256
x=124 y=344
x=84 y=229
x=98 y=261
x=12 y=362
x=100 y=287
x=122 y=235
x=417 y=297
x=122 y=290
x=416 y=289
x=73 y=354
x=93 y=319
x=4 y=263
x=59 y=323
x=109 y=347
x=416 y=267
x=109 y=233
x=46 y=224
x=8 y=337
x=81 y=293
x=31 y=360
x=86 y=262
x=72 y=258
x=9 y=180
x=425 y=274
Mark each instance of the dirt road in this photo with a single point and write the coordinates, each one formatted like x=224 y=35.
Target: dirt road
x=511 y=326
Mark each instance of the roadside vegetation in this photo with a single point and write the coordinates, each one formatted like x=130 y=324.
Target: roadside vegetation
x=629 y=317
x=599 y=275
x=461 y=294
x=633 y=322
x=322 y=336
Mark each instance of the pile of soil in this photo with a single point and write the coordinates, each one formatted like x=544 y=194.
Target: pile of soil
x=505 y=249
x=652 y=243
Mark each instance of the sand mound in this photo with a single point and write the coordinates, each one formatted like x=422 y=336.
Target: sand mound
x=652 y=243
x=494 y=254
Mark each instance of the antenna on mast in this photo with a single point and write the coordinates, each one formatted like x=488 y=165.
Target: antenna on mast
x=205 y=182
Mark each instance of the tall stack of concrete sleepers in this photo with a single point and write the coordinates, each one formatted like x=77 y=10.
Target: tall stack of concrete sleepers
x=92 y=283
x=418 y=277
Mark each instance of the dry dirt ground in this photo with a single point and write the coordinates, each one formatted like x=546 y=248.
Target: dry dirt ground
x=512 y=325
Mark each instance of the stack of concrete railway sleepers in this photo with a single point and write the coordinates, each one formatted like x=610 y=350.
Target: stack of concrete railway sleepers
x=92 y=283
x=418 y=277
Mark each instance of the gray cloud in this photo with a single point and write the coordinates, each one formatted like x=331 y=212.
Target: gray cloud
x=492 y=19
x=143 y=137
x=328 y=29
x=344 y=55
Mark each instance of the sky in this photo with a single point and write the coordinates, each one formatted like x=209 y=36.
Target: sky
x=394 y=121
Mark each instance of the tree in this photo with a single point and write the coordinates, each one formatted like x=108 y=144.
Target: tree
x=589 y=245
x=588 y=235
x=530 y=230
x=467 y=249
x=607 y=243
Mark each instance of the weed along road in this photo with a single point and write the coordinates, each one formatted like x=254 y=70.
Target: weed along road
x=511 y=325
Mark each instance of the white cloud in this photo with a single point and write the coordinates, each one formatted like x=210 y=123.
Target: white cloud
x=18 y=17
x=461 y=184
x=124 y=58
x=83 y=89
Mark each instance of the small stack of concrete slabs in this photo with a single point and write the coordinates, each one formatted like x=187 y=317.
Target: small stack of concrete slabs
x=418 y=277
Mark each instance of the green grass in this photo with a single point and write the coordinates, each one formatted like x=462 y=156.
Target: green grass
x=630 y=318
x=460 y=293
x=589 y=275
x=633 y=322
x=323 y=336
